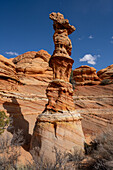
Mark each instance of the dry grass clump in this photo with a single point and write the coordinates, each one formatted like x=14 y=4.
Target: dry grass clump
x=10 y=150
x=8 y=154
x=101 y=153
x=106 y=82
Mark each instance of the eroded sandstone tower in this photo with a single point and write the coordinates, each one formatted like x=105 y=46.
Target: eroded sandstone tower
x=59 y=126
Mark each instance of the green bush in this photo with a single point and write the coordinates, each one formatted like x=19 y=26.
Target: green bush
x=4 y=121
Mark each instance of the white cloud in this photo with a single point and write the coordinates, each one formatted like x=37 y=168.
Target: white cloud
x=12 y=53
x=90 y=59
x=79 y=38
x=112 y=37
x=90 y=37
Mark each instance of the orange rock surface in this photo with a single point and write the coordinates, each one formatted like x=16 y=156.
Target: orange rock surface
x=94 y=103
x=7 y=69
x=59 y=125
x=33 y=67
x=85 y=75
x=106 y=73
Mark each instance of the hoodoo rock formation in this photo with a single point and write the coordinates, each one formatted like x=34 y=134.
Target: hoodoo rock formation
x=85 y=75
x=59 y=125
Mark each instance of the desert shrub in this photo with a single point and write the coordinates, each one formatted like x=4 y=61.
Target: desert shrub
x=105 y=82
x=76 y=158
x=60 y=162
x=102 y=153
x=10 y=150
x=8 y=154
x=63 y=161
x=4 y=121
x=18 y=138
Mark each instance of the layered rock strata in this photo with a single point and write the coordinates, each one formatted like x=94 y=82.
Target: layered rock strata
x=95 y=104
x=106 y=73
x=59 y=125
x=8 y=76
x=85 y=75
x=22 y=88
x=33 y=68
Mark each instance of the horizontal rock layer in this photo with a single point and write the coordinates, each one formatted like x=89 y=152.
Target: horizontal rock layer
x=94 y=103
x=7 y=69
x=33 y=68
x=106 y=73
x=85 y=75
x=59 y=117
x=63 y=136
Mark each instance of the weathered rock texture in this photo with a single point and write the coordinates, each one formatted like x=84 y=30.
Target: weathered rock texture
x=33 y=68
x=8 y=76
x=85 y=75
x=95 y=104
x=106 y=73
x=22 y=93
x=59 y=126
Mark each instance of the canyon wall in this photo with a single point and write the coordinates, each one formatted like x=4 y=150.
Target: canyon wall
x=23 y=96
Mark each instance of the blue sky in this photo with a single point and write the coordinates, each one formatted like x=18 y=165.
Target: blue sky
x=25 y=26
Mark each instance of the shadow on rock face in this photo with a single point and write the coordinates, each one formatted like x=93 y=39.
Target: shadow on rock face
x=19 y=126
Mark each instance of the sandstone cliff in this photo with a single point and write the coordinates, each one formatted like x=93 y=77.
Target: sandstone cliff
x=23 y=83
x=25 y=100
x=95 y=103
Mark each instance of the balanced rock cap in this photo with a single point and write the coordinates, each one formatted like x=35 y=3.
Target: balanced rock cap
x=60 y=22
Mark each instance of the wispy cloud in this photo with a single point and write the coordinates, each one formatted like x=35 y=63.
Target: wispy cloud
x=79 y=38
x=111 y=40
x=12 y=53
x=90 y=37
x=90 y=59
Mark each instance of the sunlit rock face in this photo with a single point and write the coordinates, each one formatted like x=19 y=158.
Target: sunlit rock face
x=8 y=76
x=85 y=75
x=106 y=73
x=23 y=83
x=33 y=67
x=59 y=125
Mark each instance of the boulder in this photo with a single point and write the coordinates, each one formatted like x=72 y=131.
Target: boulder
x=85 y=75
